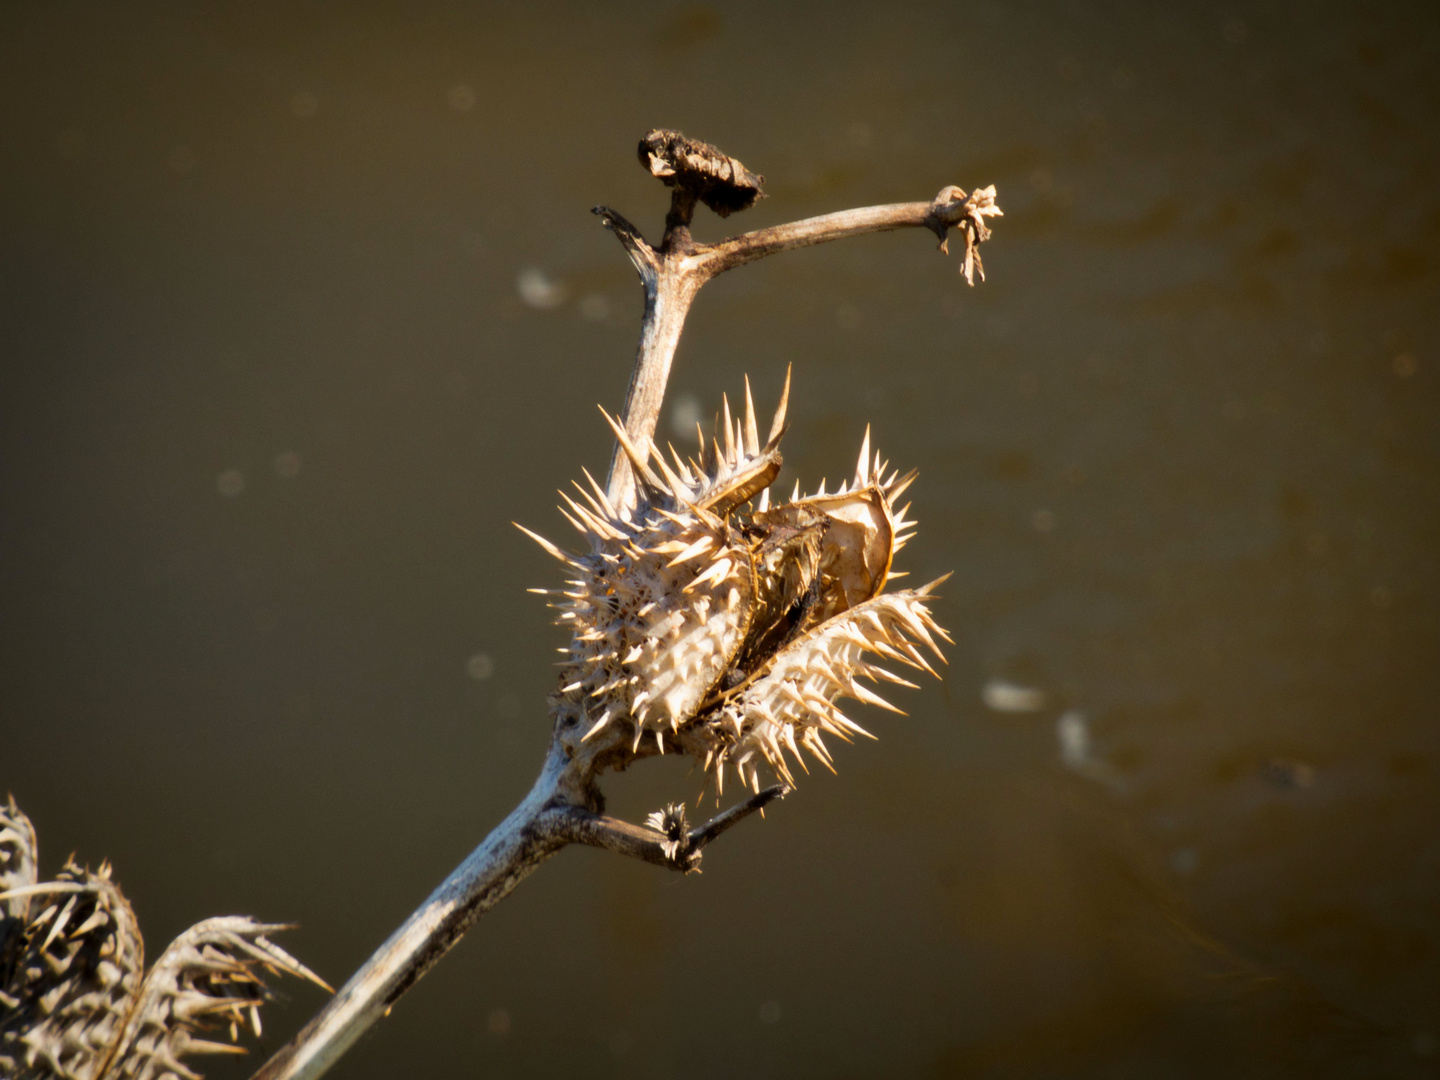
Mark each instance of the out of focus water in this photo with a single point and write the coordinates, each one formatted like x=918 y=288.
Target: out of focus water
x=300 y=310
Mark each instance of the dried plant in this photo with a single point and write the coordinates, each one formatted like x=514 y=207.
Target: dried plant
x=77 y=1001
x=705 y=620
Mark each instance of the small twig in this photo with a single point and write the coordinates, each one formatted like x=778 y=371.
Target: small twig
x=642 y=255
x=750 y=246
x=702 y=835
x=664 y=840
x=673 y=274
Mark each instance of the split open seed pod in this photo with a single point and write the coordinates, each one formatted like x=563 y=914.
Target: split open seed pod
x=75 y=1000
x=709 y=621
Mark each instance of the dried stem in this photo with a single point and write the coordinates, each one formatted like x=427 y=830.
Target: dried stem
x=673 y=274
x=516 y=846
x=565 y=804
x=654 y=846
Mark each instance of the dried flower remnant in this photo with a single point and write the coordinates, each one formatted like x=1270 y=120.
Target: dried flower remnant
x=719 y=181
x=709 y=622
x=671 y=824
x=77 y=1003
x=952 y=207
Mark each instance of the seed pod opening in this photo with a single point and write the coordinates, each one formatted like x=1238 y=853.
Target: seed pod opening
x=706 y=620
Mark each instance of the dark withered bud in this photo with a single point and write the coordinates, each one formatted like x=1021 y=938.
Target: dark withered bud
x=719 y=181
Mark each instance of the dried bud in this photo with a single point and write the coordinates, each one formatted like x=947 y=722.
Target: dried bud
x=705 y=620
x=952 y=207
x=671 y=823
x=718 y=180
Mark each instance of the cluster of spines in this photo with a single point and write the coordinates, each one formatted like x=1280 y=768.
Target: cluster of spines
x=870 y=470
x=638 y=650
x=792 y=706
x=210 y=977
x=77 y=1003
x=643 y=611
x=633 y=650
x=70 y=975
x=730 y=468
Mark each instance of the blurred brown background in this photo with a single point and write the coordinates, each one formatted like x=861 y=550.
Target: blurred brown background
x=301 y=309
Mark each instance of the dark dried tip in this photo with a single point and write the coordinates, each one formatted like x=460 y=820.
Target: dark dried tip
x=720 y=182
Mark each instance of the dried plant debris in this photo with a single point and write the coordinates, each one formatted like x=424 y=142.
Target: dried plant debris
x=719 y=181
x=17 y=859
x=75 y=1000
x=670 y=823
x=952 y=207
x=707 y=621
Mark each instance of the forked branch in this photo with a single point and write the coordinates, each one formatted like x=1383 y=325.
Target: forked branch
x=565 y=804
x=673 y=273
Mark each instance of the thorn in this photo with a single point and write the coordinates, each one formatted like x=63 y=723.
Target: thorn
x=929 y=590
x=699 y=547
x=777 y=426
x=637 y=462
x=597 y=511
x=605 y=502
x=549 y=547
x=897 y=488
x=862 y=469
x=581 y=529
x=752 y=436
x=205 y=1046
x=729 y=434
x=681 y=467
x=868 y=696
x=676 y=485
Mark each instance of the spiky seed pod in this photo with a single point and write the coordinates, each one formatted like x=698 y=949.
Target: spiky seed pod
x=210 y=978
x=77 y=1004
x=705 y=620
x=73 y=977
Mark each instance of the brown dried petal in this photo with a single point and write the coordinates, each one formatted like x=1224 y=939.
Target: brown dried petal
x=859 y=544
x=721 y=182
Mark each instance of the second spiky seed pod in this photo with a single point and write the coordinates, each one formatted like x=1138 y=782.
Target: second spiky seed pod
x=76 y=1002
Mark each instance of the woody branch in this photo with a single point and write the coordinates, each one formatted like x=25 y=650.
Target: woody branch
x=565 y=804
x=673 y=273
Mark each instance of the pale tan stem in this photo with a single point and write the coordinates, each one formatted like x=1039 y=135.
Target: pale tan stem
x=506 y=857
x=750 y=246
x=668 y=295
x=673 y=274
x=648 y=845
x=545 y=821
x=562 y=806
